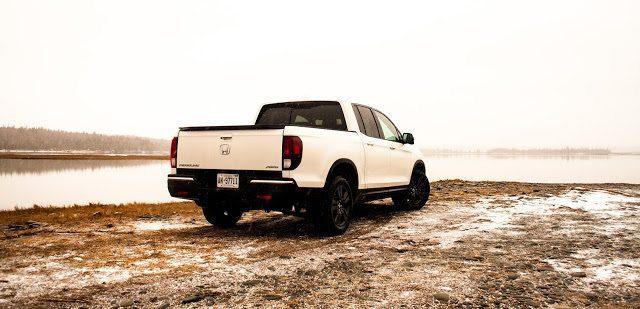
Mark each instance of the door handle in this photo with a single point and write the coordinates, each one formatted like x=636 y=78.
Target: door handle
x=369 y=144
x=392 y=148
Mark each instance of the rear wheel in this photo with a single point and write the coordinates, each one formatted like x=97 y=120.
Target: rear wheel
x=416 y=195
x=221 y=214
x=333 y=214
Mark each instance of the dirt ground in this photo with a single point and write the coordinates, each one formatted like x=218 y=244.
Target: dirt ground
x=475 y=244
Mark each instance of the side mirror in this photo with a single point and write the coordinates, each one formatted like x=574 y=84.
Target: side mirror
x=407 y=138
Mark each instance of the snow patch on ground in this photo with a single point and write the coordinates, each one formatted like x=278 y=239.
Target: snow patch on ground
x=622 y=269
x=161 y=225
x=111 y=274
x=562 y=266
x=491 y=215
x=486 y=217
x=30 y=281
x=616 y=272
x=598 y=268
x=597 y=202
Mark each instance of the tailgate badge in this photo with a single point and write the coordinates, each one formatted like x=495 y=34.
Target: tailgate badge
x=225 y=149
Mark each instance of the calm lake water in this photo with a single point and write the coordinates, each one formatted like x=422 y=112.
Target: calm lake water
x=24 y=183
x=549 y=169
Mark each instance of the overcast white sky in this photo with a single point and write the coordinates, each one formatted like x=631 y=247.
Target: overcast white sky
x=455 y=73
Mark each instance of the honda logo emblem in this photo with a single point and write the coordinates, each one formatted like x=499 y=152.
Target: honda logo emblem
x=225 y=149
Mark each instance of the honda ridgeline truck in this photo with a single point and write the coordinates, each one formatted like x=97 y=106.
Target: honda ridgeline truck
x=313 y=158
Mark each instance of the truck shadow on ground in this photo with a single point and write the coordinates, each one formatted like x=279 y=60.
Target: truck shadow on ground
x=254 y=224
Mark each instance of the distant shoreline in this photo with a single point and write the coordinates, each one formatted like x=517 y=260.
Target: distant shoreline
x=81 y=156
x=567 y=151
x=521 y=154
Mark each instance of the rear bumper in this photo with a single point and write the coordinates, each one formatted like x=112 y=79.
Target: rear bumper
x=257 y=190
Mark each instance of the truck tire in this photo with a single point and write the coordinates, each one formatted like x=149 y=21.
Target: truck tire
x=221 y=215
x=333 y=213
x=416 y=195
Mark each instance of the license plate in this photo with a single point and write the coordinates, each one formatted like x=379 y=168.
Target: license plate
x=228 y=181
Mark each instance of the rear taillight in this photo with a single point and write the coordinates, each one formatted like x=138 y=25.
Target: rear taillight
x=173 y=155
x=291 y=152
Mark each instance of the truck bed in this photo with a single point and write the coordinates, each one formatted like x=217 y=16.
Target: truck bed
x=230 y=128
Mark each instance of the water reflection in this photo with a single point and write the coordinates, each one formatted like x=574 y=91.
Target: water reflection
x=549 y=157
x=23 y=166
x=535 y=168
x=24 y=183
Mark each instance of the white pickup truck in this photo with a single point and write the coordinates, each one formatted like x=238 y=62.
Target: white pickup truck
x=313 y=158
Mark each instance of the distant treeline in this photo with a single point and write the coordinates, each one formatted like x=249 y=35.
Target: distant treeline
x=12 y=138
x=449 y=151
x=551 y=151
x=516 y=151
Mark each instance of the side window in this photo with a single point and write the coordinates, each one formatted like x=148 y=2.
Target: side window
x=359 y=118
x=389 y=131
x=370 y=126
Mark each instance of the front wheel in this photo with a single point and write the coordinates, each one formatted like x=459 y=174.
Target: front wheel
x=333 y=214
x=416 y=195
x=221 y=214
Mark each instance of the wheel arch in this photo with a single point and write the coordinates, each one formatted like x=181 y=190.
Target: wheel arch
x=346 y=168
x=419 y=165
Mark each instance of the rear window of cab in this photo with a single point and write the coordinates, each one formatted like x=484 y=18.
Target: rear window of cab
x=317 y=114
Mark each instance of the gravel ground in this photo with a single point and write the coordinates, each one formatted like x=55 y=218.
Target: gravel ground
x=475 y=244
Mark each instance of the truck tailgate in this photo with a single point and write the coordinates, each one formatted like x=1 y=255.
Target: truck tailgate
x=253 y=149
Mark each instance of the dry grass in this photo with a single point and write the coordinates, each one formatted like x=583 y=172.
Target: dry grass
x=97 y=212
x=465 y=191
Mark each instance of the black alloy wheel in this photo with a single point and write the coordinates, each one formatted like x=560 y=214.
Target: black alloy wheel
x=417 y=195
x=340 y=205
x=333 y=214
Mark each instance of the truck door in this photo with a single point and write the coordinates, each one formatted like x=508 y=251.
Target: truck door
x=375 y=149
x=400 y=163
